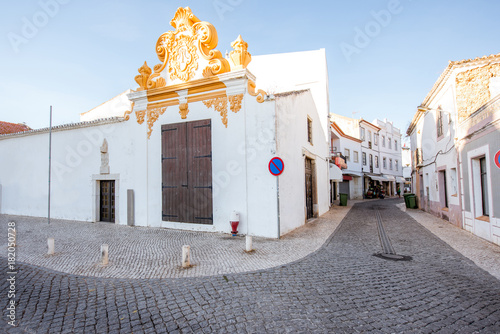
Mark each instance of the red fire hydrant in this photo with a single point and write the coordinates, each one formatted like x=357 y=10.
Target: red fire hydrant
x=234 y=221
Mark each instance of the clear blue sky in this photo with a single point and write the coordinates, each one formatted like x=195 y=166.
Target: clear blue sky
x=85 y=52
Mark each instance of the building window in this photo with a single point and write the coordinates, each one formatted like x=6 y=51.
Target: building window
x=369 y=136
x=375 y=139
x=384 y=163
x=396 y=165
x=390 y=164
x=439 y=122
x=347 y=153
x=389 y=142
x=484 y=187
x=395 y=145
x=362 y=134
x=309 y=130
x=376 y=161
x=364 y=159
x=356 y=156
x=383 y=141
x=371 y=161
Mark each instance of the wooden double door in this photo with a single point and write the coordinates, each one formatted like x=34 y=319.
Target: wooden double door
x=187 y=172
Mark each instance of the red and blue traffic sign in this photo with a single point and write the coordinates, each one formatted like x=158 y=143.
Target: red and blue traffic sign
x=276 y=166
x=497 y=159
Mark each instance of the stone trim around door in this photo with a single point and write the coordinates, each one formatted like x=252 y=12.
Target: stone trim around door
x=96 y=214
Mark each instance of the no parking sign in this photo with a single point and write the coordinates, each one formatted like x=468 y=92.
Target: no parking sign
x=497 y=159
x=276 y=166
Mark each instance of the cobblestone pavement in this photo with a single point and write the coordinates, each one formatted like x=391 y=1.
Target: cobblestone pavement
x=485 y=254
x=139 y=252
x=341 y=288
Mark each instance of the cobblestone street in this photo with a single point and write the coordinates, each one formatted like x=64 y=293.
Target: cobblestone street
x=340 y=288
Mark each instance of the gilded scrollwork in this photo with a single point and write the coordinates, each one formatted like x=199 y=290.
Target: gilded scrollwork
x=183 y=58
x=235 y=102
x=473 y=88
x=140 y=114
x=179 y=52
x=153 y=115
x=142 y=78
x=220 y=105
x=126 y=114
x=183 y=110
x=260 y=93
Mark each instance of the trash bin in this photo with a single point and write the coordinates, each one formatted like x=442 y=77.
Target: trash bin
x=405 y=196
x=343 y=199
x=412 y=202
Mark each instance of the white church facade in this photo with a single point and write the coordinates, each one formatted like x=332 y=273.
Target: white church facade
x=190 y=146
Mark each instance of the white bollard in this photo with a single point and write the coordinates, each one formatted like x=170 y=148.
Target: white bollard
x=249 y=243
x=186 y=261
x=51 y=244
x=104 y=254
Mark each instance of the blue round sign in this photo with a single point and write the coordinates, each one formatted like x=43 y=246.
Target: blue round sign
x=276 y=166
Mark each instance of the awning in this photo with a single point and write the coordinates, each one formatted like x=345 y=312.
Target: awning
x=335 y=173
x=399 y=179
x=378 y=178
x=352 y=173
x=390 y=178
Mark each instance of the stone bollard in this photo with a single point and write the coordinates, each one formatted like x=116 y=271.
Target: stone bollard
x=186 y=261
x=51 y=244
x=104 y=254
x=249 y=243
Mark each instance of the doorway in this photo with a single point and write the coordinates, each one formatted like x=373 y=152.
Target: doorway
x=187 y=172
x=107 y=201
x=309 y=189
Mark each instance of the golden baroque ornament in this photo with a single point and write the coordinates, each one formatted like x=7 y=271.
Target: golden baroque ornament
x=240 y=57
x=126 y=114
x=235 y=102
x=183 y=58
x=140 y=114
x=142 y=78
x=220 y=105
x=183 y=110
x=260 y=93
x=153 y=115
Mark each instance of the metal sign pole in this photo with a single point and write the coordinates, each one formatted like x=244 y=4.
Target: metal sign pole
x=50 y=160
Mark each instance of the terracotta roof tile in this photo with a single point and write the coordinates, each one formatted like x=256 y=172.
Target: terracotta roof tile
x=6 y=127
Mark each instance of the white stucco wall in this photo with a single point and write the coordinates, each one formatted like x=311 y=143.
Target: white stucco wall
x=292 y=112
x=115 y=107
x=76 y=157
x=283 y=72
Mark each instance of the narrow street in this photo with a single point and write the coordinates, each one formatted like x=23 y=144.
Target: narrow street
x=341 y=288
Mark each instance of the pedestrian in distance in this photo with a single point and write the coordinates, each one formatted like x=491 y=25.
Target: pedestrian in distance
x=399 y=192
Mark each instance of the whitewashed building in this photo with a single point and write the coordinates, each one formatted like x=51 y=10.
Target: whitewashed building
x=380 y=163
x=454 y=138
x=390 y=151
x=348 y=149
x=190 y=146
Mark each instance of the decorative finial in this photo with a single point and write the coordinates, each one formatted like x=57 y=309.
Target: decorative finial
x=240 y=56
x=143 y=77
